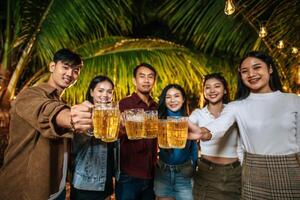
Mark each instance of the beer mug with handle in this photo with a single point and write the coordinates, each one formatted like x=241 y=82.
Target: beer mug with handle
x=106 y=121
x=134 y=123
x=177 y=131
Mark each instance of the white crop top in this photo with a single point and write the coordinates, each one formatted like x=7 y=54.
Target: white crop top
x=228 y=146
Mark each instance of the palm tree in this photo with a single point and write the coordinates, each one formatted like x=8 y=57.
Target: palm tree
x=34 y=32
x=106 y=34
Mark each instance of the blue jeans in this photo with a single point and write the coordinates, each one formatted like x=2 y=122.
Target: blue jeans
x=132 y=188
x=174 y=181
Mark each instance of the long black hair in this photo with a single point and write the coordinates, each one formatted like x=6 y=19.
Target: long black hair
x=274 y=82
x=93 y=83
x=220 y=78
x=162 y=108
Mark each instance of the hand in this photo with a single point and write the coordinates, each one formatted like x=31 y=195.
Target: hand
x=205 y=134
x=81 y=116
x=122 y=129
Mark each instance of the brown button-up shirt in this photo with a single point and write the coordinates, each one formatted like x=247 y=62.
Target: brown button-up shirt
x=34 y=159
x=137 y=157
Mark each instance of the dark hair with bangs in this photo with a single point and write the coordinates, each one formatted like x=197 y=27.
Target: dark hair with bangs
x=220 y=78
x=274 y=82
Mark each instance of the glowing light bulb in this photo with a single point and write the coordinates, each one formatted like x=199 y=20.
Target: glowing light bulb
x=262 y=32
x=295 y=50
x=280 y=44
x=229 y=7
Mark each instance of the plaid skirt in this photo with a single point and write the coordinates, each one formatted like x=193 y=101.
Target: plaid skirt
x=271 y=177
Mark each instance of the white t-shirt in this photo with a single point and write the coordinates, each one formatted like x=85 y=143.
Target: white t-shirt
x=268 y=123
x=227 y=146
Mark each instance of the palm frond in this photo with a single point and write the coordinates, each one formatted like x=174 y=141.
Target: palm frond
x=204 y=24
x=174 y=64
x=42 y=28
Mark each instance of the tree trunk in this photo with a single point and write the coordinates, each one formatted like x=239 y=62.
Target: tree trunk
x=4 y=114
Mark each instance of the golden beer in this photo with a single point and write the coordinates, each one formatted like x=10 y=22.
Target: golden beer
x=99 y=123
x=177 y=131
x=134 y=123
x=162 y=135
x=151 y=124
x=106 y=122
x=135 y=129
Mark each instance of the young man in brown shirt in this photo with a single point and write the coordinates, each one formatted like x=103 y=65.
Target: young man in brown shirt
x=138 y=157
x=35 y=162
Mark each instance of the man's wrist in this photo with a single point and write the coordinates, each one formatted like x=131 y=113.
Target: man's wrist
x=72 y=124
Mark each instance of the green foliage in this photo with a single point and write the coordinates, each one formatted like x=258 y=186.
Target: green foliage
x=174 y=64
x=106 y=33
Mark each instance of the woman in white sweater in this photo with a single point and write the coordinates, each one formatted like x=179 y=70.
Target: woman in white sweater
x=219 y=169
x=269 y=124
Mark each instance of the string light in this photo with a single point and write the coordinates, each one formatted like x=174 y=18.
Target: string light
x=280 y=44
x=295 y=50
x=229 y=7
x=262 y=32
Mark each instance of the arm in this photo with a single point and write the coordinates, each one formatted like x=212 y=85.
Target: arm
x=79 y=117
x=44 y=113
x=198 y=133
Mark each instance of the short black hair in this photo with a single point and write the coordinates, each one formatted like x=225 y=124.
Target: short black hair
x=68 y=56
x=144 y=65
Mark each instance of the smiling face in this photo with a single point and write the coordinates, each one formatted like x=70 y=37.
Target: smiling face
x=63 y=75
x=144 y=80
x=255 y=75
x=102 y=93
x=214 y=90
x=174 y=99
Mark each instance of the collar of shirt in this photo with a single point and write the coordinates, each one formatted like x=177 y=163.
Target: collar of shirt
x=137 y=99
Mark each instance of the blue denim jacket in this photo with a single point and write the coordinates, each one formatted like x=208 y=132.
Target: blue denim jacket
x=92 y=162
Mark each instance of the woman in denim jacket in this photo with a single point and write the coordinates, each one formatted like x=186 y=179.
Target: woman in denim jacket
x=173 y=175
x=94 y=159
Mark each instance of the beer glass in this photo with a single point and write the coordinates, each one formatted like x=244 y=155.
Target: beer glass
x=134 y=123
x=177 y=131
x=106 y=121
x=162 y=135
x=151 y=124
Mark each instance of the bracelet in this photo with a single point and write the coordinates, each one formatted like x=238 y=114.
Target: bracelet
x=72 y=124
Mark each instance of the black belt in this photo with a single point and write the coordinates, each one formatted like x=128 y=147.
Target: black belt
x=211 y=164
